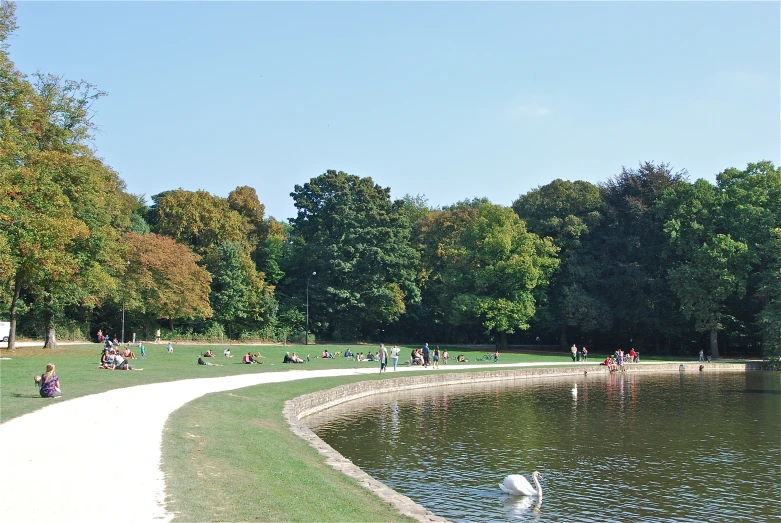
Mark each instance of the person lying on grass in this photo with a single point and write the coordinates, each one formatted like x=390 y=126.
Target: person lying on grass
x=207 y=363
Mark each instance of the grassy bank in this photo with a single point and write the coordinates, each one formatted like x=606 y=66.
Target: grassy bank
x=77 y=368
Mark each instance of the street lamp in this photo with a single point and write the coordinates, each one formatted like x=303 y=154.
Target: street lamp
x=306 y=341
x=127 y=263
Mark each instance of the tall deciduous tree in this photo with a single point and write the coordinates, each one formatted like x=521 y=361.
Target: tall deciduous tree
x=357 y=241
x=569 y=212
x=61 y=206
x=163 y=279
x=711 y=265
x=631 y=244
x=198 y=219
x=491 y=266
x=239 y=295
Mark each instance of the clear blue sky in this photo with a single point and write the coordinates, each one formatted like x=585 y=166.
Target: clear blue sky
x=447 y=100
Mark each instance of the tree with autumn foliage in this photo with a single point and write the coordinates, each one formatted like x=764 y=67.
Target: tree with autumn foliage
x=60 y=205
x=163 y=280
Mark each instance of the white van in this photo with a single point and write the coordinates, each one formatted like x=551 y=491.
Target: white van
x=5 y=330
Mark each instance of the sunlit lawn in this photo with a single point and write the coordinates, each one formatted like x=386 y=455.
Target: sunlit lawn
x=77 y=367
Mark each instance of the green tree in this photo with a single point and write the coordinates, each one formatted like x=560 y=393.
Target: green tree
x=631 y=244
x=239 y=295
x=357 y=240
x=490 y=266
x=711 y=265
x=569 y=212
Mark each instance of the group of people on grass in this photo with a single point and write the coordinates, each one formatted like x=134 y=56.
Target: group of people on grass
x=294 y=358
x=112 y=358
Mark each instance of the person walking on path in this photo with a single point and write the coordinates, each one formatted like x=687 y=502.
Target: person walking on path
x=383 y=357
x=574 y=351
x=426 y=354
x=436 y=357
x=395 y=355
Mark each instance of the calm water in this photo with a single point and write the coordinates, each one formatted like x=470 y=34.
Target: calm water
x=686 y=447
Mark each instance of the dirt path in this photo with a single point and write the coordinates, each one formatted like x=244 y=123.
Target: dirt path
x=57 y=463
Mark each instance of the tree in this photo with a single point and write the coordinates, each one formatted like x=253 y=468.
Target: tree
x=357 y=240
x=238 y=292
x=490 y=266
x=630 y=245
x=711 y=264
x=751 y=213
x=164 y=280
x=569 y=213
x=61 y=206
x=198 y=220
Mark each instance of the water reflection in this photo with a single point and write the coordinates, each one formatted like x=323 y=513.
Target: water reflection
x=621 y=446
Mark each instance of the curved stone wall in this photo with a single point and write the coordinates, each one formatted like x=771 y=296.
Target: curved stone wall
x=297 y=409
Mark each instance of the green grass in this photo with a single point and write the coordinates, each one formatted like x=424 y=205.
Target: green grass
x=77 y=368
x=230 y=456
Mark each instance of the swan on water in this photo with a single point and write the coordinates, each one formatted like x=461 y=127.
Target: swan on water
x=517 y=485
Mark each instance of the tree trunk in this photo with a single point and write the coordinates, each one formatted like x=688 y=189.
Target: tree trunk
x=503 y=340
x=714 y=342
x=14 y=306
x=51 y=337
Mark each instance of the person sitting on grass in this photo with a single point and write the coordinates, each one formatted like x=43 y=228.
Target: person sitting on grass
x=121 y=363
x=129 y=354
x=461 y=358
x=227 y=353
x=207 y=363
x=348 y=354
x=208 y=354
x=48 y=383
x=296 y=359
x=249 y=360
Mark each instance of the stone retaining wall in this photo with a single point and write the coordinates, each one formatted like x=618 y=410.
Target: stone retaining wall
x=298 y=408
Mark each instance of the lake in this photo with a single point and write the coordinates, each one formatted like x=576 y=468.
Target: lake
x=683 y=447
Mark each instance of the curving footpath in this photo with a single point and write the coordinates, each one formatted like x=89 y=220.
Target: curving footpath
x=57 y=462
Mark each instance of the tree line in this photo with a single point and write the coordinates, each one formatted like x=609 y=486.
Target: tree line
x=646 y=259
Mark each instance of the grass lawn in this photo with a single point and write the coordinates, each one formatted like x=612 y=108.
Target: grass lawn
x=228 y=456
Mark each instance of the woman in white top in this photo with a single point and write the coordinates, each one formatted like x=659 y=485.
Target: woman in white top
x=395 y=355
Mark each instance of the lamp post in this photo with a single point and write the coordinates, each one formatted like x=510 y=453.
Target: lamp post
x=306 y=341
x=122 y=340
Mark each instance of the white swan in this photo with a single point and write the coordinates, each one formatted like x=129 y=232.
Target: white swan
x=517 y=485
